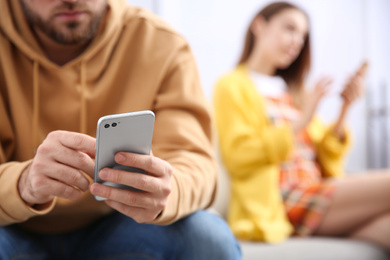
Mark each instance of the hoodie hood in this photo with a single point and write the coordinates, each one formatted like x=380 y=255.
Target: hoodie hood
x=15 y=27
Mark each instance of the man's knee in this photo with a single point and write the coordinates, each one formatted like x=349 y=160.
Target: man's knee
x=209 y=237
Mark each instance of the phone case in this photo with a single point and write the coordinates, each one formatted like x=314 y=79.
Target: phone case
x=126 y=132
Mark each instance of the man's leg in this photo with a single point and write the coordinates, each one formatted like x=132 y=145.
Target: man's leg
x=200 y=236
x=16 y=244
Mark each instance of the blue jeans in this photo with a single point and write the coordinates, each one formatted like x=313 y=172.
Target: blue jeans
x=200 y=236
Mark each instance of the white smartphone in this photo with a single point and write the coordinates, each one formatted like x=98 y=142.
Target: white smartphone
x=127 y=132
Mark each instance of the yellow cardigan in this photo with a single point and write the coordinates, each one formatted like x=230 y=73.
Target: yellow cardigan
x=252 y=148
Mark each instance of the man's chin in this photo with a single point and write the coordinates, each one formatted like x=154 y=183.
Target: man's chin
x=70 y=36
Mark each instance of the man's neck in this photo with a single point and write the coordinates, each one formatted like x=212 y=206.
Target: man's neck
x=60 y=54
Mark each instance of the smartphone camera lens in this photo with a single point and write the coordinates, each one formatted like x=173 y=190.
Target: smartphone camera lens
x=106 y=125
x=114 y=124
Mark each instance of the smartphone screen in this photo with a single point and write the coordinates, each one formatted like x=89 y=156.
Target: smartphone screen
x=127 y=132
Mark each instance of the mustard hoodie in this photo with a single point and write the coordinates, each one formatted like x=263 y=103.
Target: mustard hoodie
x=135 y=62
x=252 y=149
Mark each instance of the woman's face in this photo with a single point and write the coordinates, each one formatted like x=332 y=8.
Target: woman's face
x=282 y=37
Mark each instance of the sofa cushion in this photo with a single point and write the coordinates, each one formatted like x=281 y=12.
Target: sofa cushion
x=311 y=248
x=314 y=248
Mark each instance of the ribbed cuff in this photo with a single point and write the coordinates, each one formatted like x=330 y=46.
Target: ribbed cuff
x=10 y=201
x=171 y=212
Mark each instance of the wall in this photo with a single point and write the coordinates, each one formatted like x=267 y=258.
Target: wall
x=378 y=50
x=344 y=33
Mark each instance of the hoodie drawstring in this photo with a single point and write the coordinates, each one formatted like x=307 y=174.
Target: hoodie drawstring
x=83 y=112
x=35 y=122
x=36 y=102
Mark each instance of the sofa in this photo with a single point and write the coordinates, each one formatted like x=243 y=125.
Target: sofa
x=312 y=248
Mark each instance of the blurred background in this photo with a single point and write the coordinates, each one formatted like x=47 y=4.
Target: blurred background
x=344 y=33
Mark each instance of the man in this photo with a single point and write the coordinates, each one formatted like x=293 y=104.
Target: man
x=63 y=65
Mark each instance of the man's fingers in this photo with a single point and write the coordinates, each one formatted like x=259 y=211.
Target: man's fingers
x=127 y=197
x=74 y=150
x=150 y=164
x=140 y=215
x=75 y=141
x=139 y=181
x=65 y=156
x=58 y=189
x=77 y=160
x=56 y=170
x=65 y=191
x=70 y=176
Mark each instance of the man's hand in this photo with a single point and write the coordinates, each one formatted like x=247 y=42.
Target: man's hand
x=56 y=168
x=142 y=206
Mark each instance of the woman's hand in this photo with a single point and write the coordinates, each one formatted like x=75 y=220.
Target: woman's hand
x=353 y=89
x=310 y=102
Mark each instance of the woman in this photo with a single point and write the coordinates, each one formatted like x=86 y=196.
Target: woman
x=283 y=162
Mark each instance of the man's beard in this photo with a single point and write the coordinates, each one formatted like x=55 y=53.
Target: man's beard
x=73 y=35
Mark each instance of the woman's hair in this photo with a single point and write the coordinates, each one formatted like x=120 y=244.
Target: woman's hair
x=296 y=73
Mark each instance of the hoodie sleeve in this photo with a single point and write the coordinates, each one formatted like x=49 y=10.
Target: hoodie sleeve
x=12 y=208
x=183 y=138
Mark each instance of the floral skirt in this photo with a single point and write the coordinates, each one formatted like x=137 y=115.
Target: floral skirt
x=305 y=207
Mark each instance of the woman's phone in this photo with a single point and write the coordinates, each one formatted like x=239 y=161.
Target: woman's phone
x=127 y=132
